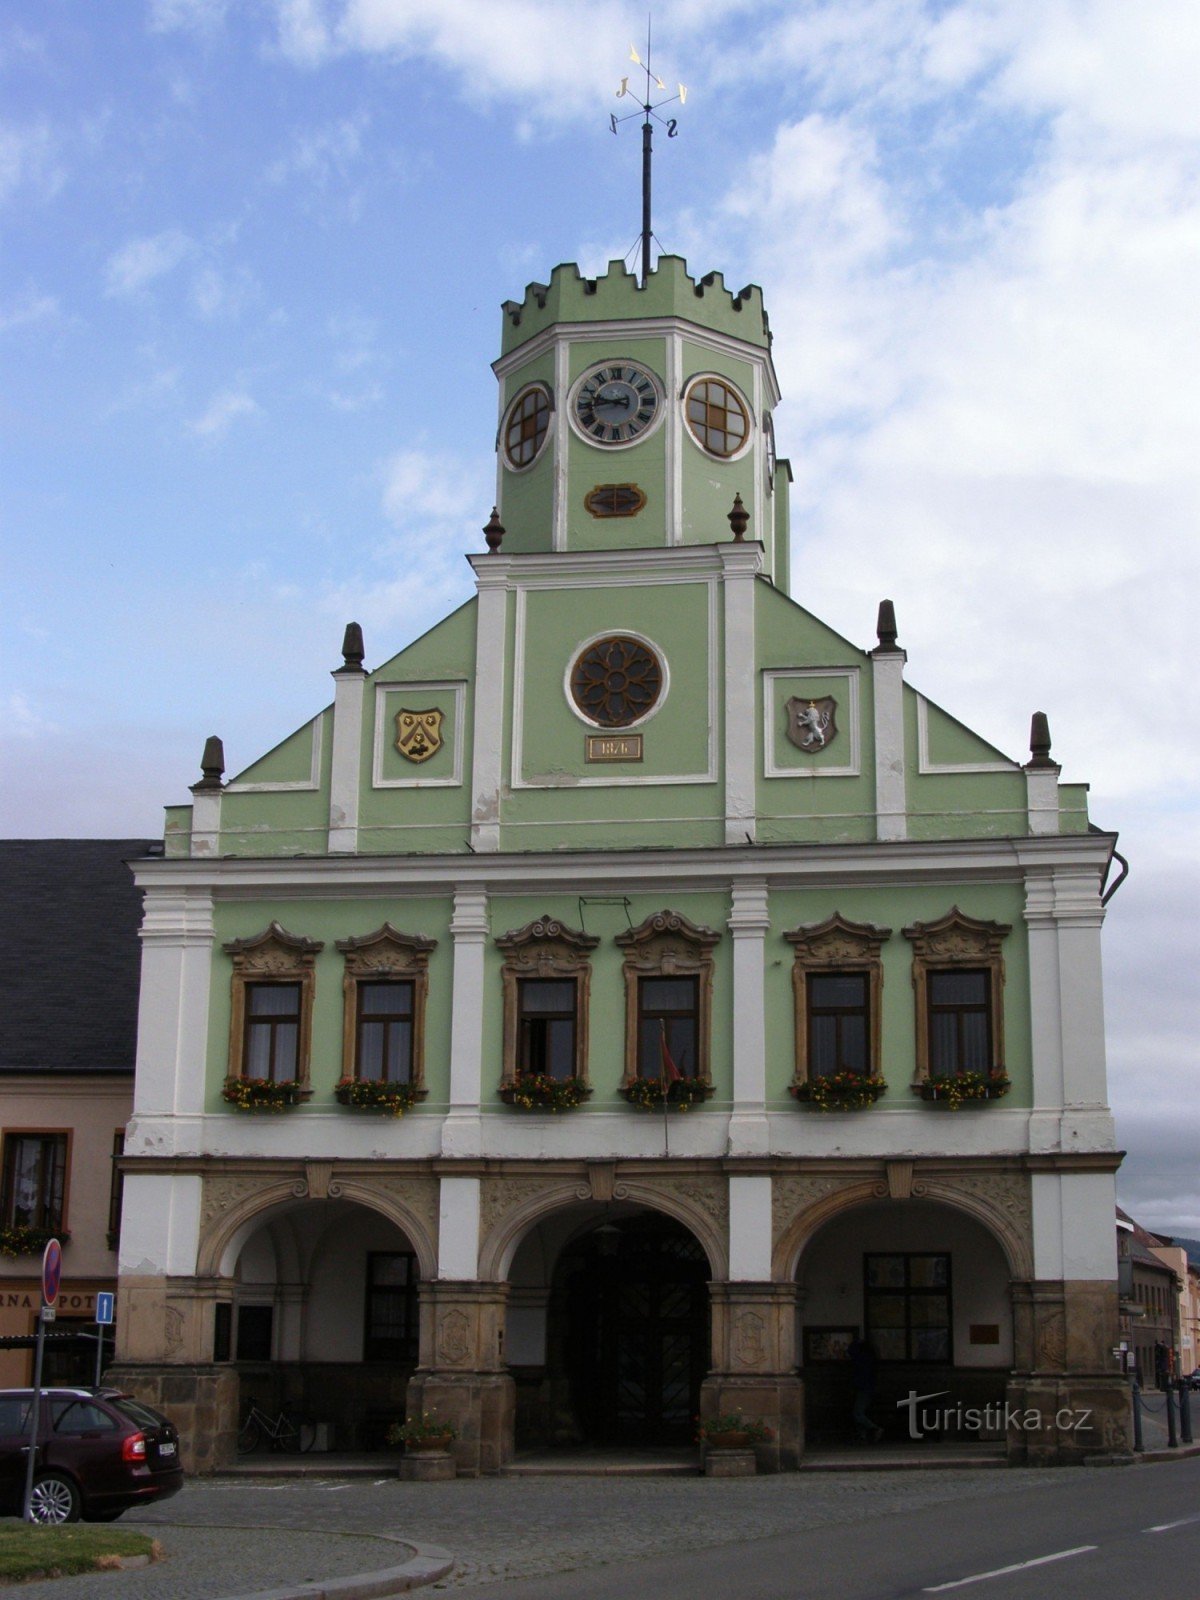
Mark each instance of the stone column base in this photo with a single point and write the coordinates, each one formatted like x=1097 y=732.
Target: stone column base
x=202 y=1402
x=482 y=1406
x=1060 y=1419
x=776 y=1399
x=729 y=1464
x=436 y=1467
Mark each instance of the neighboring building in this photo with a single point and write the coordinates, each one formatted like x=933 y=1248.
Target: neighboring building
x=69 y=915
x=631 y=811
x=1187 y=1287
x=1151 y=1289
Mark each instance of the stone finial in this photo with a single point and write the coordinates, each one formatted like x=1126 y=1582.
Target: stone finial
x=1039 y=742
x=353 y=648
x=493 y=531
x=885 y=626
x=212 y=764
x=739 y=519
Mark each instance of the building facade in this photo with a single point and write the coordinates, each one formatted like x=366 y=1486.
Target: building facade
x=632 y=824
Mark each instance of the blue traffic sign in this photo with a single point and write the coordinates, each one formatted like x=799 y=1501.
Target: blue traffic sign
x=104 y=1307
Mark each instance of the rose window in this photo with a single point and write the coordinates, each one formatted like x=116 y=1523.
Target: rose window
x=616 y=681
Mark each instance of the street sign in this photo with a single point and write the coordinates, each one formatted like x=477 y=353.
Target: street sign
x=104 y=1307
x=48 y=1313
x=51 y=1272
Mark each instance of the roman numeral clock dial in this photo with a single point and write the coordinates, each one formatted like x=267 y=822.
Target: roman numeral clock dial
x=616 y=403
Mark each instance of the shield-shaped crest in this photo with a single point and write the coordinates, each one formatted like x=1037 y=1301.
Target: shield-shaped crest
x=418 y=734
x=811 y=725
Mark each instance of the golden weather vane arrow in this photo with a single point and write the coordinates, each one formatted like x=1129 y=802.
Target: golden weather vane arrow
x=650 y=114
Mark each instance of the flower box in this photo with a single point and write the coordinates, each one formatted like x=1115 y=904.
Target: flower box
x=540 y=1092
x=262 y=1094
x=840 y=1091
x=732 y=1430
x=965 y=1088
x=22 y=1240
x=373 y=1094
x=648 y=1094
x=423 y=1435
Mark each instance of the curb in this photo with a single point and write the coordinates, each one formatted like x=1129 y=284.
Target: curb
x=427 y=1564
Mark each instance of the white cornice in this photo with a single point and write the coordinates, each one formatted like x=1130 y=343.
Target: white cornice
x=554 y=569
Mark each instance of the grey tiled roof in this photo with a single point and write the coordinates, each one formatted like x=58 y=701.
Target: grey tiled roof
x=69 y=954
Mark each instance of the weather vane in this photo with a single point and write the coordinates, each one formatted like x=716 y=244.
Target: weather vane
x=649 y=114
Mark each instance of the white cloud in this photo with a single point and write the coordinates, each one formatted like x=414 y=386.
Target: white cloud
x=135 y=265
x=222 y=411
x=27 y=310
x=24 y=720
x=29 y=160
x=427 y=485
x=322 y=155
x=199 y=16
x=216 y=294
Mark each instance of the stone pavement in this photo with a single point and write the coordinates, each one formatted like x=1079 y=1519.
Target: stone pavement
x=232 y=1537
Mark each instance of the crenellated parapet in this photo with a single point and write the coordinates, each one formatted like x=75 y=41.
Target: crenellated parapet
x=617 y=295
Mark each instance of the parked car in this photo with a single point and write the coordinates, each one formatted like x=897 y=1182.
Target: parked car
x=99 y=1452
x=1193 y=1381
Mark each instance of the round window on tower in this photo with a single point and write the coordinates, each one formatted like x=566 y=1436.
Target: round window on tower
x=526 y=426
x=616 y=681
x=717 y=417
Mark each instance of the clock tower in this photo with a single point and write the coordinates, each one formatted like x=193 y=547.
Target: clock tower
x=631 y=417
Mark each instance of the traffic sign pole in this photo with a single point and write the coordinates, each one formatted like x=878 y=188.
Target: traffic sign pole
x=51 y=1278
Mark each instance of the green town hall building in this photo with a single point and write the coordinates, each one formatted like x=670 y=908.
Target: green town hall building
x=630 y=826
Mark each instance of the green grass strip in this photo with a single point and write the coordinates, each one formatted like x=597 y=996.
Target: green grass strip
x=30 y=1552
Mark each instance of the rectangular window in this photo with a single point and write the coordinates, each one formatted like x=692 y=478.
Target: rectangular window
x=255 y=1326
x=390 y=1324
x=668 y=1008
x=837 y=1023
x=35 y=1172
x=222 y=1330
x=384 y=1050
x=272 y=1031
x=960 y=1032
x=116 y=1190
x=906 y=1300
x=546 y=1027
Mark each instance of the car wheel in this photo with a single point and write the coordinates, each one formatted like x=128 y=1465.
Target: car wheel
x=54 y=1499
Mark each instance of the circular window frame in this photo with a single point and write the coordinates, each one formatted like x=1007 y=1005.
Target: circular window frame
x=609 y=445
x=747 y=409
x=537 y=386
x=597 y=638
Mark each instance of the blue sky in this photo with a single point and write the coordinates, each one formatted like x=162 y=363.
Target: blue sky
x=252 y=254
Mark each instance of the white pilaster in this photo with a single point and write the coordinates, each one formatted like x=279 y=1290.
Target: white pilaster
x=891 y=802
x=160 y=1224
x=750 y=1228
x=1074 y=1225
x=562 y=441
x=673 y=431
x=172 y=1040
x=1041 y=798
x=458 y=1229
x=749 y=921
x=349 y=685
x=206 y=821
x=491 y=581
x=742 y=562
x=469 y=930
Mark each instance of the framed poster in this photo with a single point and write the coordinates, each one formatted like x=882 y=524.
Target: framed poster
x=825 y=1345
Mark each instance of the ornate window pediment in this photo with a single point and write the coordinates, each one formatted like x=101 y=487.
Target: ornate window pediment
x=668 y=972
x=270 y=1013
x=958 y=982
x=547 y=980
x=384 y=986
x=837 y=985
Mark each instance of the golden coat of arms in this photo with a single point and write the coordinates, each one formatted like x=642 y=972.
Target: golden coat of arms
x=811 y=724
x=419 y=734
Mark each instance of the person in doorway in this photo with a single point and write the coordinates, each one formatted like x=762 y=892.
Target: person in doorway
x=862 y=1377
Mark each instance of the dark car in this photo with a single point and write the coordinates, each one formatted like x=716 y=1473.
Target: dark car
x=99 y=1452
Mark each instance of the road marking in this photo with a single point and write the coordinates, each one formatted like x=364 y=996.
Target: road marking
x=1161 y=1527
x=1018 y=1566
x=336 y=1488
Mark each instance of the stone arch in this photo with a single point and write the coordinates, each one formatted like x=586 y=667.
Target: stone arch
x=229 y=1220
x=506 y=1235
x=998 y=1201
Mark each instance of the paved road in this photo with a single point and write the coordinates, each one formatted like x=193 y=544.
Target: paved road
x=794 y=1537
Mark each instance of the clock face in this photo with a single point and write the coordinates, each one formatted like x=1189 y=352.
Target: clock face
x=616 y=404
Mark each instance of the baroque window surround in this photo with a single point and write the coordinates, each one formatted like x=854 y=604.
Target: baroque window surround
x=833 y=946
x=386 y=956
x=667 y=945
x=549 y=950
x=957 y=941
x=274 y=956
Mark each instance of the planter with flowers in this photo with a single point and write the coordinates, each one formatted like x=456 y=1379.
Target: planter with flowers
x=20 y=1239
x=537 y=1091
x=262 y=1094
x=426 y=1440
x=728 y=1442
x=377 y=1095
x=648 y=1094
x=840 y=1091
x=965 y=1088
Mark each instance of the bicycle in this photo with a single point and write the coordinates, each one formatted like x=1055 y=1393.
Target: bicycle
x=279 y=1433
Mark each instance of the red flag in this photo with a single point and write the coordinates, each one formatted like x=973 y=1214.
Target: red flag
x=669 y=1073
